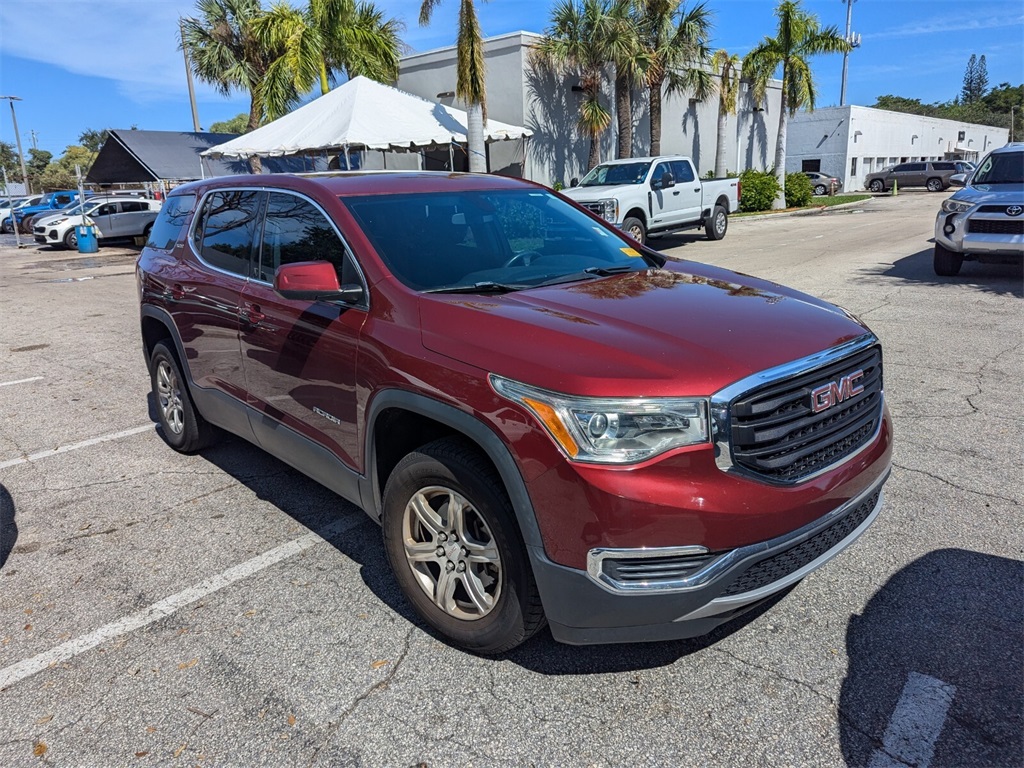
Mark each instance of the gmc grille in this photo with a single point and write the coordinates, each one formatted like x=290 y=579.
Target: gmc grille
x=995 y=227
x=775 y=434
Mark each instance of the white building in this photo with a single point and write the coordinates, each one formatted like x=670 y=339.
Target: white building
x=850 y=142
x=548 y=104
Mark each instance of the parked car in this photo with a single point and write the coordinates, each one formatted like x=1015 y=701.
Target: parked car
x=964 y=166
x=823 y=183
x=984 y=221
x=51 y=201
x=111 y=219
x=43 y=219
x=648 y=195
x=932 y=175
x=549 y=420
x=8 y=204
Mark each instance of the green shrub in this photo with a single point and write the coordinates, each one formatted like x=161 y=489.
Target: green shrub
x=799 y=190
x=759 y=190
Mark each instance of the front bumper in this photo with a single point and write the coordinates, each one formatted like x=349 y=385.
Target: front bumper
x=952 y=231
x=582 y=608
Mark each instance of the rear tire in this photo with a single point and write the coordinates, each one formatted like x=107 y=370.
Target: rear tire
x=635 y=228
x=947 y=263
x=716 y=226
x=877 y=185
x=935 y=185
x=453 y=542
x=182 y=426
x=820 y=190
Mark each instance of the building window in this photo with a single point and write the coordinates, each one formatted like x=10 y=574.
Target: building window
x=853 y=167
x=810 y=166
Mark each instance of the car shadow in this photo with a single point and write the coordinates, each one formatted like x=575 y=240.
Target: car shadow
x=8 y=525
x=667 y=242
x=951 y=618
x=316 y=508
x=999 y=279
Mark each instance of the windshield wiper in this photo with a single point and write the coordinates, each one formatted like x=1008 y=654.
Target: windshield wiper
x=483 y=287
x=590 y=273
x=605 y=271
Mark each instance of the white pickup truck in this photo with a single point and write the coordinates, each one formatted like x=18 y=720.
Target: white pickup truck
x=652 y=195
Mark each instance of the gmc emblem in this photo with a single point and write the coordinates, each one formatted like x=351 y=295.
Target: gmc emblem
x=833 y=393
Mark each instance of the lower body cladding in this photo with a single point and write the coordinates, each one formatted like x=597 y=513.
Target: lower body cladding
x=642 y=595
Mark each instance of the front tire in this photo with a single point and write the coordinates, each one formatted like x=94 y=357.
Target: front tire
x=716 y=227
x=635 y=228
x=453 y=543
x=877 y=186
x=947 y=263
x=182 y=426
x=71 y=239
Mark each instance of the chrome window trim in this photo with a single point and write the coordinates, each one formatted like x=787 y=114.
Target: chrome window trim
x=719 y=414
x=721 y=565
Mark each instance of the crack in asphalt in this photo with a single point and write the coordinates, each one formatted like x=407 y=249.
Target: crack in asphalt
x=951 y=484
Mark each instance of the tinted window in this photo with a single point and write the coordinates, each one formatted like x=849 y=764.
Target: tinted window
x=944 y=166
x=227 y=229
x=1001 y=168
x=131 y=206
x=169 y=222
x=660 y=171
x=295 y=230
x=913 y=167
x=901 y=168
x=682 y=171
x=106 y=209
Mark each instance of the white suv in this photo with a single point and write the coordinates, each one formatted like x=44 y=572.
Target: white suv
x=110 y=218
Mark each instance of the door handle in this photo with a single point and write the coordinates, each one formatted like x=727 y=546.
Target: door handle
x=676 y=192
x=696 y=189
x=252 y=314
x=177 y=292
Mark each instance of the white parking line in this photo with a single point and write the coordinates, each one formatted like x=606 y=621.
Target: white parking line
x=74 y=446
x=20 y=381
x=915 y=724
x=167 y=606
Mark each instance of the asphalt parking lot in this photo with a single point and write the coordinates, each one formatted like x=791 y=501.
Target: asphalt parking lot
x=221 y=609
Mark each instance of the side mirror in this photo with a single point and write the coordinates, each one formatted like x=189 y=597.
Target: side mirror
x=313 y=281
x=574 y=182
x=666 y=181
x=958 y=180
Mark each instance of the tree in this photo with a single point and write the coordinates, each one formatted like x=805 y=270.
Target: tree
x=573 y=44
x=225 y=52
x=61 y=174
x=980 y=87
x=970 y=75
x=623 y=46
x=319 y=41
x=93 y=140
x=9 y=160
x=676 y=43
x=727 y=67
x=799 y=36
x=469 y=77
x=237 y=124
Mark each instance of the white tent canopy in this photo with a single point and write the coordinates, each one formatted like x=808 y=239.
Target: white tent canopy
x=362 y=114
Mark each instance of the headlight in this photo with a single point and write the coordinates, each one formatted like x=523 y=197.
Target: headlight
x=955 y=206
x=612 y=430
x=609 y=210
x=55 y=222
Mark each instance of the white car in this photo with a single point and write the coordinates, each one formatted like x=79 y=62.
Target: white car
x=75 y=209
x=109 y=218
x=7 y=204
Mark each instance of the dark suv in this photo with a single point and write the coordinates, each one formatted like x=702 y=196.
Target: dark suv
x=549 y=421
x=934 y=176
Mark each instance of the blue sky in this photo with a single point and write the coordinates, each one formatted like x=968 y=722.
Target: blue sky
x=114 y=64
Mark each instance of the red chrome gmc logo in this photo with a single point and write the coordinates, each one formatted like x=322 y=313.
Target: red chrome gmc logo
x=835 y=392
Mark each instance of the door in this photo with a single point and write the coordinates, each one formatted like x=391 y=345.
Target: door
x=666 y=204
x=129 y=219
x=102 y=217
x=688 y=190
x=300 y=356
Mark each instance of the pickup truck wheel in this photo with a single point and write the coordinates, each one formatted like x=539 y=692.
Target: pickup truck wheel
x=820 y=190
x=877 y=186
x=451 y=537
x=947 y=263
x=184 y=429
x=635 y=228
x=935 y=185
x=71 y=238
x=716 y=227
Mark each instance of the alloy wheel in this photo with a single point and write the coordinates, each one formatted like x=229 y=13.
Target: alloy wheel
x=169 y=395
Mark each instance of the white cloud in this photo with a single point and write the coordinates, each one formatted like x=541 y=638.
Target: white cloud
x=945 y=25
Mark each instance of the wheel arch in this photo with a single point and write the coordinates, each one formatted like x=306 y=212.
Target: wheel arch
x=636 y=212
x=399 y=421
x=157 y=325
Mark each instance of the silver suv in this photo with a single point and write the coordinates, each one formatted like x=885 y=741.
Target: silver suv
x=984 y=221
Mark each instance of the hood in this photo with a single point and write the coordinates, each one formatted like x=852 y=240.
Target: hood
x=589 y=194
x=991 y=193
x=682 y=330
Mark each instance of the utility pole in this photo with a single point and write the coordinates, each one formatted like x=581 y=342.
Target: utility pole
x=17 y=136
x=188 y=78
x=854 y=41
x=35 y=135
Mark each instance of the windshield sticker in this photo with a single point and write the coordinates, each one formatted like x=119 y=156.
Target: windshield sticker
x=631 y=252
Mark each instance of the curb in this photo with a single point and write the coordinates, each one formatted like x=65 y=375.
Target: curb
x=805 y=211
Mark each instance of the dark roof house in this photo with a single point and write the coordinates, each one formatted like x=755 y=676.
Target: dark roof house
x=139 y=156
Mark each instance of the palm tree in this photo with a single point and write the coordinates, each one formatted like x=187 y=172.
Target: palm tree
x=225 y=52
x=622 y=45
x=574 y=44
x=676 y=43
x=469 y=77
x=322 y=39
x=799 y=36
x=727 y=67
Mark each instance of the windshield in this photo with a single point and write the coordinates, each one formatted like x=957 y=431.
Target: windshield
x=616 y=173
x=491 y=241
x=1000 y=168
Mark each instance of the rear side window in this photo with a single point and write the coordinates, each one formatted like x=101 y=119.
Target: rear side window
x=296 y=230
x=227 y=228
x=682 y=171
x=133 y=206
x=944 y=166
x=169 y=222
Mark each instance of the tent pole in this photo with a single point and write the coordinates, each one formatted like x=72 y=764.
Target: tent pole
x=348 y=163
x=384 y=157
x=451 y=156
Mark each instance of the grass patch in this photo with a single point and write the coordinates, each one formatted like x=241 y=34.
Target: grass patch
x=819 y=202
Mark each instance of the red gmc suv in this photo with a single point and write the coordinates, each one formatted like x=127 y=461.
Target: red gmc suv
x=549 y=421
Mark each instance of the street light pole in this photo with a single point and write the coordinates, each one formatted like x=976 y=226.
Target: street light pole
x=854 y=41
x=17 y=136
x=188 y=78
